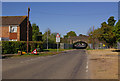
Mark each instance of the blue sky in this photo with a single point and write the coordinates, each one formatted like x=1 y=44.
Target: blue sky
x=63 y=17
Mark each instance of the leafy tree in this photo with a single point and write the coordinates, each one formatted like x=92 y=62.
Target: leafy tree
x=51 y=37
x=105 y=32
x=47 y=33
x=35 y=32
x=70 y=34
x=103 y=23
x=80 y=34
x=117 y=31
x=111 y=21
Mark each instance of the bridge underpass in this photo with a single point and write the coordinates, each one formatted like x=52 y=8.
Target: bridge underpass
x=77 y=42
x=80 y=45
x=81 y=42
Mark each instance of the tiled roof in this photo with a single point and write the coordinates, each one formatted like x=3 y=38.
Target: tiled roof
x=12 y=20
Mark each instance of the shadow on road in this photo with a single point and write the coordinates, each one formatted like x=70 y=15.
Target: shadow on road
x=115 y=50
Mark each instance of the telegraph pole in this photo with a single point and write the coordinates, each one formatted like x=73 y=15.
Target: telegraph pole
x=47 y=39
x=93 y=39
x=28 y=30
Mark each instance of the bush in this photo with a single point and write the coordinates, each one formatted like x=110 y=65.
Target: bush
x=11 y=47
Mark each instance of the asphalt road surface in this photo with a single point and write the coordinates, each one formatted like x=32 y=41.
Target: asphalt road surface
x=68 y=65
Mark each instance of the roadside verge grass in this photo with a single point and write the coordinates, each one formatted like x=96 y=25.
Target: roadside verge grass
x=45 y=52
x=54 y=50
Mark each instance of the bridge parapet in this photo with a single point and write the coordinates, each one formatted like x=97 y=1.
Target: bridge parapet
x=78 y=38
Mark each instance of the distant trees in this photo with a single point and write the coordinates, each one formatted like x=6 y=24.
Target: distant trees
x=107 y=32
x=111 y=21
x=70 y=34
x=51 y=36
x=44 y=36
x=81 y=35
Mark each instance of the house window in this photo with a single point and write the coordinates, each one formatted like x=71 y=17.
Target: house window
x=13 y=29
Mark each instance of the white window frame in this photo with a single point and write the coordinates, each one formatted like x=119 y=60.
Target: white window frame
x=12 y=29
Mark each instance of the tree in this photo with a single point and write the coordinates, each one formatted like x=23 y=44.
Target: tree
x=47 y=33
x=35 y=31
x=51 y=37
x=103 y=23
x=105 y=32
x=117 y=31
x=70 y=34
x=111 y=21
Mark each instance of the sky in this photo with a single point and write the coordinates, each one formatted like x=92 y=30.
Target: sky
x=60 y=0
x=62 y=17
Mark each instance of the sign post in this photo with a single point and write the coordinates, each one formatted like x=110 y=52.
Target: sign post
x=57 y=40
x=28 y=30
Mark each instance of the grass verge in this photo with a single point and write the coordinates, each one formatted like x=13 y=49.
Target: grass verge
x=44 y=53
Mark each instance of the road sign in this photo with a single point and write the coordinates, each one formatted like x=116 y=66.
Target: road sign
x=57 y=37
x=57 y=40
x=34 y=52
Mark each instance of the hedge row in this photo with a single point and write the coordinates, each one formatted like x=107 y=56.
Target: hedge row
x=11 y=47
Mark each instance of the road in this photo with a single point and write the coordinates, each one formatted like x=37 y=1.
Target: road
x=68 y=65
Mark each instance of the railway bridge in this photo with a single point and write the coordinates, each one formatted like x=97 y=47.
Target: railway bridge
x=81 y=41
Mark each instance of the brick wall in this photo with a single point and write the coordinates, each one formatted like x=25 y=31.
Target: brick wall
x=5 y=31
x=0 y=31
x=18 y=33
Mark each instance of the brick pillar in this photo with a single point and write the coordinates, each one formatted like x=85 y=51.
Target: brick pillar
x=18 y=33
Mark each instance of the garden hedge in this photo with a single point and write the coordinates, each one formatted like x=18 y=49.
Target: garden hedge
x=11 y=47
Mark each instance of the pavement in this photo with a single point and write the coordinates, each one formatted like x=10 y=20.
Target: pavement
x=103 y=64
x=68 y=65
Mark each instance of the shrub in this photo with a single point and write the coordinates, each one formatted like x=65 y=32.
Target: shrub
x=11 y=47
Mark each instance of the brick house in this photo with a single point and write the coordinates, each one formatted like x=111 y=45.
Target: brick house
x=14 y=28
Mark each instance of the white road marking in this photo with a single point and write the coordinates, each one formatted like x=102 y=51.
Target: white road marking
x=86 y=70
x=87 y=67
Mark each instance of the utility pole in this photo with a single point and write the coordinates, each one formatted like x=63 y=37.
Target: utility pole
x=47 y=39
x=57 y=46
x=93 y=39
x=28 y=30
